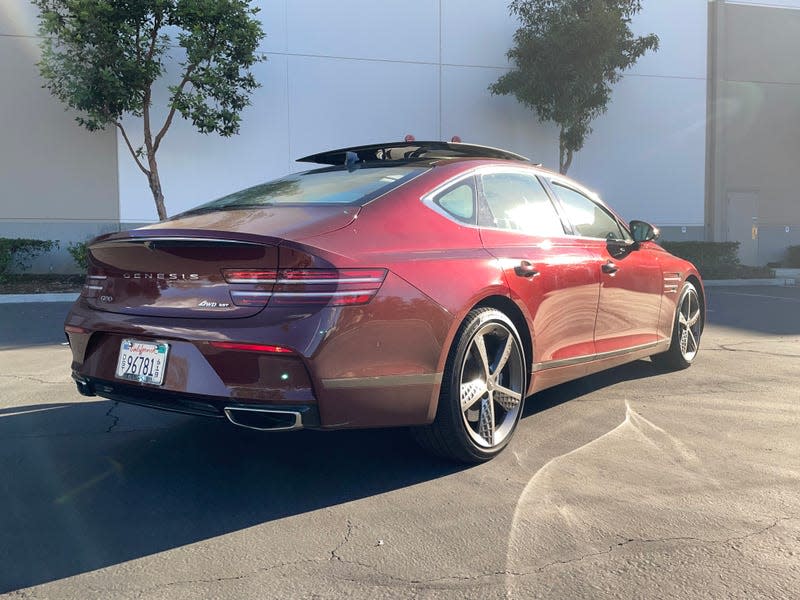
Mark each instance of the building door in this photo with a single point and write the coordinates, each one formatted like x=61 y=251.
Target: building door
x=743 y=224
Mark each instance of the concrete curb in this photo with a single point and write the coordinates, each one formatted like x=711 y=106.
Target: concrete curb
x=778 y=281
x=20 y=298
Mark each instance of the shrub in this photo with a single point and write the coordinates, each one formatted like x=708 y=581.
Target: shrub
x=705 y=254
x=716 y=260
x=19 y=252
x=792 y=260
x=78 y=251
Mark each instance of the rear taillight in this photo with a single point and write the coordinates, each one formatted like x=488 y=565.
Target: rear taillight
x=93 y=286
x=304 y=287
x=250 y=276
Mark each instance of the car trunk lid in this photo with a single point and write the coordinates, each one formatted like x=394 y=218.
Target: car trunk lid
x=171 y=275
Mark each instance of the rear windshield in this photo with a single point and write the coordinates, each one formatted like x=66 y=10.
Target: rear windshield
x=333 y=185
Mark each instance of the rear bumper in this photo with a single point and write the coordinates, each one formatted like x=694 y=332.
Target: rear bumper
x=376 y=365
x=297 y=416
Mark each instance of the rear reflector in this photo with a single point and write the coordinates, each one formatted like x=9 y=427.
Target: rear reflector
x=252 y=347
x=75 y=329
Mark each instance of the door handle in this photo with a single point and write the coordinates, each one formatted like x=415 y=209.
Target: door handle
x=526 y=269
x=610 y=268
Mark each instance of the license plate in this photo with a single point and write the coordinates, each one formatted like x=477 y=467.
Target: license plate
x=144 y=362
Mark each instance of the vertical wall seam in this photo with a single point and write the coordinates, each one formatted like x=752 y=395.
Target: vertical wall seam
x=441 y=111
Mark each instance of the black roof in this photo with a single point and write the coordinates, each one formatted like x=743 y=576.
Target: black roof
x=408 y=151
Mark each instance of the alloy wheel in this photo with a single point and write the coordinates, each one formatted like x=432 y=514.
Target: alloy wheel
x=491 y=385
x=689 y=322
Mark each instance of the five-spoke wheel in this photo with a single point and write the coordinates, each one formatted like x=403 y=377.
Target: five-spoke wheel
x=483 y=389
x=686 y=331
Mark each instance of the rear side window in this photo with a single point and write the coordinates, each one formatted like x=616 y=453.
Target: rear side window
x=588 y=218
x=519 y=202
x=333 y=185
x=459 y=201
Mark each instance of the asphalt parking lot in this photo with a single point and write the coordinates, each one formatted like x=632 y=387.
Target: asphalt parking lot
x=627 y=484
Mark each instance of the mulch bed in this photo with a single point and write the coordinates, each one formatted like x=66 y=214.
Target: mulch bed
x=40 y=284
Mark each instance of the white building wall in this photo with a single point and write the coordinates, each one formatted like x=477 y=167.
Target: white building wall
x=357 y=71
x=647 y=153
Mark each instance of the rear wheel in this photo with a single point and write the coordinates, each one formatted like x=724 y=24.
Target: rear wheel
x=483 y=389
x=686 y=332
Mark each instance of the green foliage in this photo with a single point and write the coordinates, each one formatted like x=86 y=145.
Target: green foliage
x=102 y=58
x=792 y=260
x=79 y=252
x=567 y=54
x=713 y=254
x=19 y=252
x=716 y=260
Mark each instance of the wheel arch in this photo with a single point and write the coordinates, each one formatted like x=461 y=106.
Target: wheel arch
x=507 y=306
x=701 y=294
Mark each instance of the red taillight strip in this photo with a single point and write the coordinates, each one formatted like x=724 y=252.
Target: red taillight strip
x=252 y=347
x=331 y=281
x=249 y=276
x=323 y=294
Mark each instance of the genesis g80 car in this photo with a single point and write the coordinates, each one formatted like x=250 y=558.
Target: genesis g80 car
x=430 y=285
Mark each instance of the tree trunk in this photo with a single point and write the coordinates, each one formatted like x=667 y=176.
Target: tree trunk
x=155 y=187
x=564 y=155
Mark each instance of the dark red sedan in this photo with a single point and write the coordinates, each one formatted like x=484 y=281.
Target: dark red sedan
x=425 y=284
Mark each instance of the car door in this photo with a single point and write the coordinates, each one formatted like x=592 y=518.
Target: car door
x=554 y=278
x=631 y=281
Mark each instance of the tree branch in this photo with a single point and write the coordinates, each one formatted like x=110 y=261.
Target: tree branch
x=153 y=38
x=171 y=115
x=130 y=147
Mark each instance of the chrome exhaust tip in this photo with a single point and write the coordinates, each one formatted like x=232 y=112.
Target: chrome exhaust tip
x=264 y=419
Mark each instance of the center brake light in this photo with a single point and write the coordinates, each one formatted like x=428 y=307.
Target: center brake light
x=304 y=287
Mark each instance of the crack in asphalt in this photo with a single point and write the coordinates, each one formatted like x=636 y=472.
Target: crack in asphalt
x=434 y=582
x=729 y=348
x=348 y=533
x=115 y=418
x=32 y=378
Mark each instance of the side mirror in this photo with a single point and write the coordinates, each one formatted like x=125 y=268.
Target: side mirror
x=644 y=232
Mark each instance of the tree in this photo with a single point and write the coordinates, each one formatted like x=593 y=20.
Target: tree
x=567 y=55
x=103 y=57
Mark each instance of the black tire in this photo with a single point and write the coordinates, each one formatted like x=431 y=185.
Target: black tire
x=686 y=331
x=477 y=428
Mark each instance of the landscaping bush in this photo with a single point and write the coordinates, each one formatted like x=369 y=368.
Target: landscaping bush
x=716 y=260
x=19 y=252
x=78 y=252
x=707 y=254
x=792 y=260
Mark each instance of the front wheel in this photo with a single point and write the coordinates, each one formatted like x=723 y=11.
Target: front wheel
x=686 y=331
x=483 y=390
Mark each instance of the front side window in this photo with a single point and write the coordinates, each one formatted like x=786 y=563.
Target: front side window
x=588 y=218
x=332 y=185
x=518 y=202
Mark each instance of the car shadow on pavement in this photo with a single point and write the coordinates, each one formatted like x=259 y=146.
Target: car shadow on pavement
x=552 y=397
x=93 y=484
